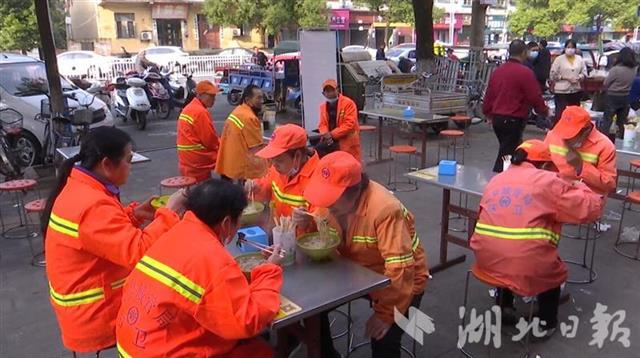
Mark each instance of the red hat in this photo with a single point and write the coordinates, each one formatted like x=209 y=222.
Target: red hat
x=537 y=150
x=573 y=119
x=333 y=175
x=207 y=87
x=284 y=138
x=330 y=83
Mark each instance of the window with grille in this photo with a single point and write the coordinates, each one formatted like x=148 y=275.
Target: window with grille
x=125 y=26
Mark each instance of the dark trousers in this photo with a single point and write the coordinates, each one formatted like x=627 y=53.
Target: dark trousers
x=618 y=106
x=548 y=303
x=563 y=100
x=387 y=347
x=509 y=132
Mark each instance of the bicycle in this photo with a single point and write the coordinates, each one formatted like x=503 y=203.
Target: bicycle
x=10 y=128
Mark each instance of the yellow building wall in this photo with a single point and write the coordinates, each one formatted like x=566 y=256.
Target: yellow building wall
x=228 y=40
x=189 y=40
x=107 y=26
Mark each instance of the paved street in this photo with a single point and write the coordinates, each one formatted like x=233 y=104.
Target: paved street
x=28 y=327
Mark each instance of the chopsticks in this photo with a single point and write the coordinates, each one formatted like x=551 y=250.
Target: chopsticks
x=257 y=245
x=284 y=223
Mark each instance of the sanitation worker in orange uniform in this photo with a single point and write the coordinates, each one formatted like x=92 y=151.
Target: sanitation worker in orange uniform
x=242 y=138
x=517 y=234
x=581 y=152
x=187 y=297
x=339 y=120
x=377 y=232
x=293 y=164
x=197 y=141
x=93 y=241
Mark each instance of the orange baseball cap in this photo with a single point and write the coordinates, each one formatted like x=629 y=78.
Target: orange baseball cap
x=330 y=83
x=573 y=119
x=537 y=150
x=287 y=137
x=333 y=175
x=207 y=87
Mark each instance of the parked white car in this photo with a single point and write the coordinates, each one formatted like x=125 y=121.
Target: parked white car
x=360 y=48
x=18 y=75
x=167 y=56
x=84 y=63
x=408 y=52
x=236 y=51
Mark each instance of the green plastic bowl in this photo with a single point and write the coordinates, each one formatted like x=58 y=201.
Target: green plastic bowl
x=160 y=201
x=242 y=257
x=318 y=254
x=251 y=214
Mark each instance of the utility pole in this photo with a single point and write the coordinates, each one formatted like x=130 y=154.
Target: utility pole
x=49 y=53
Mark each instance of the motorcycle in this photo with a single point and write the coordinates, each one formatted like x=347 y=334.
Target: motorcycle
x=130 y=100
x=181 y=94
x=158 y=94
x=10 y=128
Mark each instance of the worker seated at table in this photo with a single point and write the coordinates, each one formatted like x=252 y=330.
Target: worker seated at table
x=338 y=126
x=293 y=163
x=187 y=297
x=377 y=232
x=92 y=241
x=197 y=140
x=517 y=234
x=242 y=138
x=581 y=152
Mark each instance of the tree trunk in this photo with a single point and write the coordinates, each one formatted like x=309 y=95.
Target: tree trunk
x=478 y=21
x=49 y=53
x=423 y=13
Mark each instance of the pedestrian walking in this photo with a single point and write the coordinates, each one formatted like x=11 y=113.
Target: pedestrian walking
x=567 y=71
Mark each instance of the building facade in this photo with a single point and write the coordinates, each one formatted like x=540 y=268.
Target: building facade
x=109 y=27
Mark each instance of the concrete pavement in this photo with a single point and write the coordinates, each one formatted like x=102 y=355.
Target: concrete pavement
x=28 y=327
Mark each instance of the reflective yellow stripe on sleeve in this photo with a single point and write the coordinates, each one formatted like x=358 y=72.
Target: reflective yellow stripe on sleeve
x=77 y=298
x=171 y=278
x=399 y=259
x=63 y=226
x=416 y=242
x=119 y=283
x=186 y=118
x=289 y=199
x=235 y=120
x=121 y=352
x=501 y=232
x=563 y=151
x=189 y=147
x=364 y=239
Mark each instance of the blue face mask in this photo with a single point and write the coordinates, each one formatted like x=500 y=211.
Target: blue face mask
x=533 y=55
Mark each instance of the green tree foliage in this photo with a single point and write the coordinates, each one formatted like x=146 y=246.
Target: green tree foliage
x=268 y=16
x=545 y=17
x=438 y=14
x=19 y=27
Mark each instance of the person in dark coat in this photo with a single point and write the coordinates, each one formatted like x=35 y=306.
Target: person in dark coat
x=542 y=65
x=380 y=55
x=404 y=64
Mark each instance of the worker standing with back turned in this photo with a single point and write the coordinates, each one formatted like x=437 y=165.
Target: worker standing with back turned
x=519 y=227
x=197 y=140
x=513 y=90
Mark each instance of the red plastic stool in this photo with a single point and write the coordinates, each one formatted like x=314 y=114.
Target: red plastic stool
x=369 y=129
x=396 y=151
x=451 y=136
x=178 y=182
x=18 y=190
x=35 y=207
x=632 y=199
x=463 y=121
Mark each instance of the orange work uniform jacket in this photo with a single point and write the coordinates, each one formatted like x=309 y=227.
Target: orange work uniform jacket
x=92 y=244
x=347 y=131
x=196 y=141
x=193 y=300
x=381 y=236
x=599 y=161
x=242 y=133
x=521 y=215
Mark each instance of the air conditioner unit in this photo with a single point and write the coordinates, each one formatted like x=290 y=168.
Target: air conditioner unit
x=236 y=32
x=146 y=36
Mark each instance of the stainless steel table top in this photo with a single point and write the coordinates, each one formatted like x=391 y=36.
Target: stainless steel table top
x=320 y=286
x=630 y=148
x=397 y=114
x=69 y=152
x=469 y=179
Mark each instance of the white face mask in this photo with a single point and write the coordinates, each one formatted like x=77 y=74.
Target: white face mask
x=570 y=51
x=294 y=170
x=332 y=100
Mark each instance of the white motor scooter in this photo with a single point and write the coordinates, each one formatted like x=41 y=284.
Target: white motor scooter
x=130 y=100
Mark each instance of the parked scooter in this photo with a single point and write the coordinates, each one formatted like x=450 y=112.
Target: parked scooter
x=181 y=94
x=10 y=127
x=158 y=95
x=130 y=100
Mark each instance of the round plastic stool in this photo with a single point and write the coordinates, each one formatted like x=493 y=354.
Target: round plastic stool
x=178 y=182
x=369 y=129
x=633 y=199
x=18 y=189
x=396 y=151
x=35 y=207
